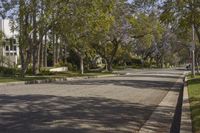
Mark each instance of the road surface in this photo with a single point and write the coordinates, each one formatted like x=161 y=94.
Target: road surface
x=103 y=105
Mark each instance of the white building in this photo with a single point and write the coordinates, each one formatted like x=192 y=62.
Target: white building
x=9 y=50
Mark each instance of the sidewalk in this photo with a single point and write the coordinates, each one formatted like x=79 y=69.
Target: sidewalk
x=186 y=123
x=161 y=119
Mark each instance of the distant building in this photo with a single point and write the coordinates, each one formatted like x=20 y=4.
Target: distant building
x=9 y=48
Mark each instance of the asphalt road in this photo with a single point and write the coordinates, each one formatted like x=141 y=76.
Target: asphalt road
x=103 y=105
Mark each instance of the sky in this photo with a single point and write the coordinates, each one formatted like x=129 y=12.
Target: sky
x=130 y=1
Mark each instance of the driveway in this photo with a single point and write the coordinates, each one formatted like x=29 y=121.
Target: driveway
x=102 y=105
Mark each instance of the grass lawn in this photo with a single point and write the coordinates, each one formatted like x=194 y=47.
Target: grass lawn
x=194 y=96
x=7 y=79
x=15 y=79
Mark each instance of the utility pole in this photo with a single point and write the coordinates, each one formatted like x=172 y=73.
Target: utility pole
x=193 y=45
x=193 y=51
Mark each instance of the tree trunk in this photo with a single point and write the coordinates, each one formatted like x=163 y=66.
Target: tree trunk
x=35 y=61
x=113 y=53
x=110 y=69
x=198 y=35
x=157 y=61
x=45 y=52
x=23 y=68
x=35 y=47
x=25 y=53
x=41 y=57
x=60 y=57
x=109 y=65
x=162 y=62
x=54 y=51
x=142 y=62
x=81 y=64
x=151 y=59
x=106 y=65
x=57 y=50
x=197 y=63
x=65 y=54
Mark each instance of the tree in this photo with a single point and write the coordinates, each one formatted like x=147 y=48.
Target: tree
x=182 y=16
x=1 y=46
x=107 y=41
x=84 y=18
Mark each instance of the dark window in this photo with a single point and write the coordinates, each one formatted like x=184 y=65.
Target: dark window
x=7 y=48
x=15 y=54
x=15 y=48
x=11 y=47
x=14 y=41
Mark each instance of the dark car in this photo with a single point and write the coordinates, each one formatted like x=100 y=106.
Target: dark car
x=188 y=67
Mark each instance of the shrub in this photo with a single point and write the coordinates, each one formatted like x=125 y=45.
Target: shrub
x=70 y=66
x=60 y=64
x=45 y=72
x=29 y=71
x=4 y=71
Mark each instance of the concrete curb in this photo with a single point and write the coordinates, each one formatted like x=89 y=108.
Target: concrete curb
x=61 y=79
x=67 y=79
x=186 y=122
x=162 y=117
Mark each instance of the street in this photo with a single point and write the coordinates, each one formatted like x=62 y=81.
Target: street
x=102 y=105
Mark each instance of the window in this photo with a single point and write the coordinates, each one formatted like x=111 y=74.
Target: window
x=15 y=48
x=7 y=48
x=15 y=54
x=11 y=48
x=14 y=41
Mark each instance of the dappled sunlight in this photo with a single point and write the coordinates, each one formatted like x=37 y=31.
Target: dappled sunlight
x=49 y=114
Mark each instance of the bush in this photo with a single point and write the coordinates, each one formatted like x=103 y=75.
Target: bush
x=29 y=71
x=45 y=72
x=147 y=64
x=135 y=62
x=136 y=66
x=60 y=64
x=70 y=66
x=4 y=71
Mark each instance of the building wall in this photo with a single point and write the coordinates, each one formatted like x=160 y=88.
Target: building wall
x=5 y=27
x=9 y=52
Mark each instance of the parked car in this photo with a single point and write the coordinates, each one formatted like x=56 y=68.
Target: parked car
x=188 y=67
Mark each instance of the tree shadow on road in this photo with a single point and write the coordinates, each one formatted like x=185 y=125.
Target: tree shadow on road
x=153 y=76
x=140 y=84
x=52 y=114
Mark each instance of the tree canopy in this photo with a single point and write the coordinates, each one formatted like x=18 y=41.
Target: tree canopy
x=118 y=31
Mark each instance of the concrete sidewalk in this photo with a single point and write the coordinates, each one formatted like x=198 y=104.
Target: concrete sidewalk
x=186 y=123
